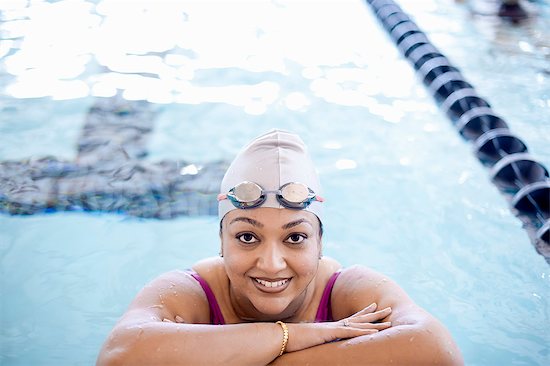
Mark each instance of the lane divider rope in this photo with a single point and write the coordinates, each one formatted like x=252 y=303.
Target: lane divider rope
x=519 y=176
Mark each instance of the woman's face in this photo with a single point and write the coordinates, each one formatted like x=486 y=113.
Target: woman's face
x=271 y=257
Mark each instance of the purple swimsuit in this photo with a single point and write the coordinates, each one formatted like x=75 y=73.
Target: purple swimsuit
x=324 y=312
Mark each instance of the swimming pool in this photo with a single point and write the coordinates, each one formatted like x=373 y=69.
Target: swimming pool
x=405 y=194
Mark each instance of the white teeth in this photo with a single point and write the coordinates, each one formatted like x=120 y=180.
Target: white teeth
x=271 y=284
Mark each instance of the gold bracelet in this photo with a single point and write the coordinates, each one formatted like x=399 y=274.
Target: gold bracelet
x=285 y=336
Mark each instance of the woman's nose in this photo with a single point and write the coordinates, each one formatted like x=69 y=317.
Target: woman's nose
x=272 y=258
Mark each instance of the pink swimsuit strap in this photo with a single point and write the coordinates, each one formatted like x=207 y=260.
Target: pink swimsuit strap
x=324 y=311
x=216 y=316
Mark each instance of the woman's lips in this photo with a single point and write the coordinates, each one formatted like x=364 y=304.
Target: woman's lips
x=271 y=285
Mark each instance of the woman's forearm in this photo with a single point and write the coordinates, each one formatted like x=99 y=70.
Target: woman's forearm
x=160 y=343
x=399 y=345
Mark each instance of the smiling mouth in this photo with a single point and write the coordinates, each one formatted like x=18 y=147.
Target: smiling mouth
x=272 y=284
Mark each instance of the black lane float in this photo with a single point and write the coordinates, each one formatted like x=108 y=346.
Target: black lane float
x=522 y=180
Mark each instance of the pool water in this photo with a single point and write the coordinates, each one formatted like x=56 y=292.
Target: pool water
x=405 y=194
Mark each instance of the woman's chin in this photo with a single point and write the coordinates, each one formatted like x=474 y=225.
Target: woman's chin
x=271 y=309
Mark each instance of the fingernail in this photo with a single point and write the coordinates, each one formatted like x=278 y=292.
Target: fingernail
x=372 y=305
x=167 y=320
x=179 y=319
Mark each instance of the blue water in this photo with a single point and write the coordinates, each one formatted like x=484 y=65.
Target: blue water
x=405 y=194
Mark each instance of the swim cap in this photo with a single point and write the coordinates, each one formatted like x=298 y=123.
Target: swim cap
x=271 y=160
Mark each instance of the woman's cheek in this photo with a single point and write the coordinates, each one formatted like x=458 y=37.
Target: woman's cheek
x=233 y=265
x=308 y=268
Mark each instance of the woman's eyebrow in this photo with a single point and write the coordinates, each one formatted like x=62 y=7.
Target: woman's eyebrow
x=247 y=220
x=295 y=223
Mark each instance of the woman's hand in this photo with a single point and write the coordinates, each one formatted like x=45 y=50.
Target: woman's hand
x=364 y=322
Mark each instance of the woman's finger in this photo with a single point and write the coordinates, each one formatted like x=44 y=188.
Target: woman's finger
x=178 y=319
x=371 y=317
x=377 y=326
x=355 y=332
x=367 y=310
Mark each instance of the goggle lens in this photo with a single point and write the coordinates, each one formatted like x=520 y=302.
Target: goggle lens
x=247 y=192
x=295 y=192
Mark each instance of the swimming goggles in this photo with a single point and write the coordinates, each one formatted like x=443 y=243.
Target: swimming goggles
x=250 y=195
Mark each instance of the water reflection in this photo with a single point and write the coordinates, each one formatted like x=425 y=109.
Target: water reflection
x=154 y=50
x=345 y=164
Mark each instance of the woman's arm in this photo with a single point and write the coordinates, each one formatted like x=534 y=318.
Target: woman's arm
x=158 y=343
x=143 y=336
x=167 y=323
x=419 y=344
x=415 y=337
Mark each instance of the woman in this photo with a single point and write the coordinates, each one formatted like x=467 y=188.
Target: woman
x=271 y=297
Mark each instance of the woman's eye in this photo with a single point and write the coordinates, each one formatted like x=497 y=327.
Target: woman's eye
x=295 y=238
x=247 y=238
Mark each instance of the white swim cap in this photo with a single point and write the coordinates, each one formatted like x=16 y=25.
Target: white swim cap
x=272 y=160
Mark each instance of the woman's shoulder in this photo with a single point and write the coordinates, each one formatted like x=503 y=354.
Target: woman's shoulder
x=212 y=270
x=208 y=264
x=168 y=296
x=358 y=271
x=183 y=279
x=180 y=290
x=359 y=286
x=329 y=265
x=349 y=275
x=359 y=279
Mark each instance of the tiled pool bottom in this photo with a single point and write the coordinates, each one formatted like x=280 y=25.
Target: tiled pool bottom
x=110 y=173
